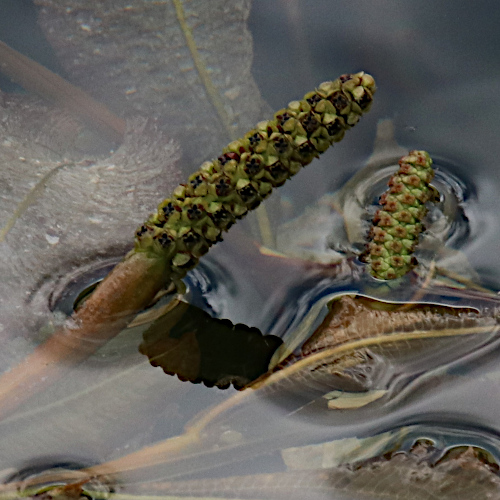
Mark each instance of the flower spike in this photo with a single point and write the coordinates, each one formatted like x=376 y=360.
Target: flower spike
x=397 y=225
x=224 y=190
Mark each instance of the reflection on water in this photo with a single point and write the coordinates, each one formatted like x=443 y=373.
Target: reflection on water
x=367 y=369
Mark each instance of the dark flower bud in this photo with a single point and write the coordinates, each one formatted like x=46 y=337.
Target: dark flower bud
x=195 y=212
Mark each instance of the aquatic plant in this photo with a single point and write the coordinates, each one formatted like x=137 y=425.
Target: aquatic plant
x=221 y=191
x=86 y=417
x=398 y=223
x=187 y=224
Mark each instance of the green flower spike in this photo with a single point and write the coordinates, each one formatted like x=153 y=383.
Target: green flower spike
x=224 y=190
x=397 y=225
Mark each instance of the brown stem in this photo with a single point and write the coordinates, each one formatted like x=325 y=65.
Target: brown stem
x=41 y=81
x=130 y=287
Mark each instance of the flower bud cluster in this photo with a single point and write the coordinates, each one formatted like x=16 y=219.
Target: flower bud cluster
x=224 y=190
x=397 y=225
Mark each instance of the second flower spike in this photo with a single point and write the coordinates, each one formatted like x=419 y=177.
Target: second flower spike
x=398 y=223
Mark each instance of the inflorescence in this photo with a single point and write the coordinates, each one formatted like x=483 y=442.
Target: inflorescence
x=397 y=225
x=224 y=190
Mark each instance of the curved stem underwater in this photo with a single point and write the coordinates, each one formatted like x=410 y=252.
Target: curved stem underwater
x=128 y=289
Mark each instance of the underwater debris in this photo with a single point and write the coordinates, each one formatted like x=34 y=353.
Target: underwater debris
x=466 y=473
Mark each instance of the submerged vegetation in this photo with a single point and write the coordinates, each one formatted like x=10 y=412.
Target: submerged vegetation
x=366 y=336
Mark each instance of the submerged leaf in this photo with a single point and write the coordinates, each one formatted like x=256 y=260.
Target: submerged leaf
x=39 y=80
x=64 y=214
x=56 y=215
x=186 y=62
x=61 y=210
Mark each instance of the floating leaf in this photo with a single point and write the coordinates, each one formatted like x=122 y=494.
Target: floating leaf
x=367 y=345
x=353 y=318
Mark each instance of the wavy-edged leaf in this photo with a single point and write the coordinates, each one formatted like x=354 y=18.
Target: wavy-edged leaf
x=189 y=343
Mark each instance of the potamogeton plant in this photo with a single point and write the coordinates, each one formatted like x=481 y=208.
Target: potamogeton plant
x=221 y=191
x=398 y=224
x=191 y=220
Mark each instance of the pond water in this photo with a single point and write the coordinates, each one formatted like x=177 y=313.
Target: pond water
x=140 y=432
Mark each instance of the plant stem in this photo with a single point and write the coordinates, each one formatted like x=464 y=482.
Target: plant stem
x=41 y=81
x=129 y=287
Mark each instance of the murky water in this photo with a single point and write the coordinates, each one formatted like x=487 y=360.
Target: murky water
x=136 y=427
